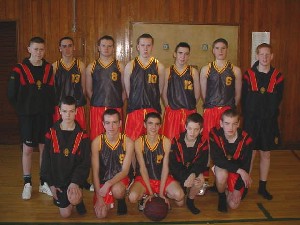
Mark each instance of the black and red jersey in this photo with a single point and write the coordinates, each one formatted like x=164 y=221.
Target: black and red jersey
x=144 y=86
x=111 y=157
x=68 y=82
x=187 y=160
x=180 y=91
x=220 y=89
x=66 y=157
x=107 y=84
x=153 y=157
x=31 y=88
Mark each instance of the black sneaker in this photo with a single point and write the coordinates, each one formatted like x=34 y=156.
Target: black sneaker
x=81 y=208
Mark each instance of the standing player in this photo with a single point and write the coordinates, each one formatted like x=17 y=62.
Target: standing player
x=221 y=84
x=152 y=153
x=143 y=79
x=31 y=92
x=111 y=160
x=181 y=92
x=262 y=94
x=188 y=159
x=104 y=84
x=70 y=79
x=231 y=153
x=66 y=160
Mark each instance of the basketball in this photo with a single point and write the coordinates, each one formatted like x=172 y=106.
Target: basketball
x=156 y=209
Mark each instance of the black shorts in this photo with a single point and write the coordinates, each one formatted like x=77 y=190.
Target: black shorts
x=34 y=127
x=62 y=198
x=265 y=133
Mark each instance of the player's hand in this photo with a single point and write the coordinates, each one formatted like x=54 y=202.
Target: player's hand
x=104 y=189
x=100 y=208
x=53 y=189
x=166 y=201
x=245 y=177
x=74 y=194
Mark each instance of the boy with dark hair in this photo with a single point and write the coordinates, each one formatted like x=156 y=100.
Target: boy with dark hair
x=152 y=153
x=188 y=159
x=66 y=160
x=31 y=92
x=231 y=153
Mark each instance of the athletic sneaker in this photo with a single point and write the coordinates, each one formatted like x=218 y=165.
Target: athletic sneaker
x=141 y=203
x=26 y=194
x=45 y=189
x=203 y=188
x=92 y=188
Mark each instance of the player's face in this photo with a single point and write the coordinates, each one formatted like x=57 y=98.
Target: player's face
x=192 y=130
x=220 y=51
x=106 y=48
x=66 y=48
x=230 y=125
x=152 y=126
x=68 y=112
x=182 y=56
x=145 y=47
x=112 y=124
x=37 y=51
x=264 y=56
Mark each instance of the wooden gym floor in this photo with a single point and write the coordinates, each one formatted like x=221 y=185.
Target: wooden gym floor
x=254 y=210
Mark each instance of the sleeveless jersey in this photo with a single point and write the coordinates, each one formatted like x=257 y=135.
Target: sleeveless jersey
x=68 y=82
x=220 y=90
x=180 y=91
x=144 y=86
x=107 y=85
x=111 y=157
x=153 y=157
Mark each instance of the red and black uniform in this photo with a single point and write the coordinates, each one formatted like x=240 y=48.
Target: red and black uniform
x=31 y=92
x=153 y=158
x=181 y=99
x=111 y=157
x=144 y=96
x=68 y=83
x=107 y=93
x=231 y=156
x=220 y=95
x=261 y=97
x=187 y=160
x=66 y=157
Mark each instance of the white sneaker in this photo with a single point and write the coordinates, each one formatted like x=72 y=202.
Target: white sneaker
x=26 y=194
x=92 y=188
x=45 y=189
x=203 y=188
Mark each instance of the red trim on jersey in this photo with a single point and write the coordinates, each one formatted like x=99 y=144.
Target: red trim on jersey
x=28 y=74
x=22 y=80
x=253 y=80
x=77 y=142
x=46 y=73
x=54 y=140
x=272 y=81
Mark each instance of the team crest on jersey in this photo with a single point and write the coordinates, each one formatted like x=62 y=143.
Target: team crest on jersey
x=121 y=158
x=276 y=140
x=114 y=76
x=39 y=84
x=75 y=78
x=159 y=158
x=66 y=152
x=262 y=90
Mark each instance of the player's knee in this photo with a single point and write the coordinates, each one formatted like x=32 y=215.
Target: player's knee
x=177 y=195
x=100 y=214
x=133 y=197
x=118 y=191
x=65 y=212
x=233 y=205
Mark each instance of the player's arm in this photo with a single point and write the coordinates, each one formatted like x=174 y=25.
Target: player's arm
x=129 y=149
x=140 y=159
x=121 y=68
x=161 y=74
x=203 y=81
x=238 y=84
x=96 y=164
x=89 y=81
x=54 y=66
x=83 y=76
x=127 y=74
x=196 y=79
x=165 y=168
x=165 y=88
